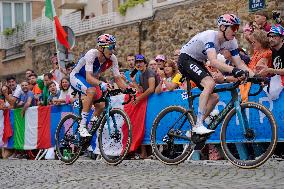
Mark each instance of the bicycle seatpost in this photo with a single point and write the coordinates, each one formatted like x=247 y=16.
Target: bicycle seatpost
x=189 y=94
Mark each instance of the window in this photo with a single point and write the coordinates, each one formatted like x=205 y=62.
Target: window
x=19 y=13
x=7 y=15
x=28 y=12
x=14 y=13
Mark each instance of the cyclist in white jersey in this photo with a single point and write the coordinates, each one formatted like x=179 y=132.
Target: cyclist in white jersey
x=85 y=77
x=205 y=46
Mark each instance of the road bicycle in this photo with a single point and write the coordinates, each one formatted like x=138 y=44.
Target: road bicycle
x=248 y=134
x=114 y=131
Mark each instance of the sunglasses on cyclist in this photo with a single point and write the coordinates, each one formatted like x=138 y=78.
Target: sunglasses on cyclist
x=109 y=47
x=235 y=28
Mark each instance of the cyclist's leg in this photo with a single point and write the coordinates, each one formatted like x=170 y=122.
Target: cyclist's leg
x=208 y=85
x=197 y=72
x=80 y=84
x=211 y=103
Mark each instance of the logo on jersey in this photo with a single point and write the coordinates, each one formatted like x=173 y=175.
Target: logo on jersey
x=79 y=86
x=209 y=45
x=277 y=63
x=195 y=69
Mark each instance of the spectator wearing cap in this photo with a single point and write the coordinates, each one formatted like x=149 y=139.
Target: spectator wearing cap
x=260 y=18
x=276 y=38
x=160 y=59
x=148 y=82
x=130 y=59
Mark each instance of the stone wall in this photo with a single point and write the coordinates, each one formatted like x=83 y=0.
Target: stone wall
x=166 y=31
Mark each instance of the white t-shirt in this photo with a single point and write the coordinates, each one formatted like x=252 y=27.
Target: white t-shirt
x=64 y=93
x=17 y=92
x=198 y=46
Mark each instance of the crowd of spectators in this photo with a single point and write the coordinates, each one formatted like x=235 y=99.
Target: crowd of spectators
x=158 y=75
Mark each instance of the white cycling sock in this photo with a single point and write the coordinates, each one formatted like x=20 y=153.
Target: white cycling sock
x=84 y=118
x=200 y=115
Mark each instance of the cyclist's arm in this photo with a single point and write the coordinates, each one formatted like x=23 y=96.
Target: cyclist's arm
x=120 y=82
x=241 y=65
x=214 y=62
x=90 y=57
x=91 y=79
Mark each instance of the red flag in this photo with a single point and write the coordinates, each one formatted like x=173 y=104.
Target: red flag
x=8 y=132
x=60 y=33
x=137 y=115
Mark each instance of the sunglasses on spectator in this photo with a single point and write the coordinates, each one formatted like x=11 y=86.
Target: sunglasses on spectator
x=235 y=28
x=272 y=35
x=159 y=60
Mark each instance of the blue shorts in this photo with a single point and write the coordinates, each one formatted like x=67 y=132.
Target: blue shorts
x=79 y=83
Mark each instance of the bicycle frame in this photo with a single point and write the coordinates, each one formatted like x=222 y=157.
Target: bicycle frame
x=234 y=102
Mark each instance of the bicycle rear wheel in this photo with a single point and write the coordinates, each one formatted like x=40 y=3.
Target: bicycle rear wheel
x=251 y=145
x=67 y=139
x=170 y=125
x=114 y=143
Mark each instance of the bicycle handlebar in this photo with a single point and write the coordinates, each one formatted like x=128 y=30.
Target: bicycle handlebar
x=255 y=80
x=129 y=91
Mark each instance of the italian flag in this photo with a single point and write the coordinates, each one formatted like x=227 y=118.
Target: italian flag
x=31 y=131
x=36 y=130
x=60 y=32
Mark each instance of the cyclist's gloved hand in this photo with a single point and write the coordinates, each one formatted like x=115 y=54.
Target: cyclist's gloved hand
x=238 y=72
x=103 y=86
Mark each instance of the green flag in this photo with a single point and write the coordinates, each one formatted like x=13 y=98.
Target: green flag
x=49 y=7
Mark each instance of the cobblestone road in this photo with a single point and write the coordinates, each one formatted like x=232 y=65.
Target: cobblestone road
x=138 y=174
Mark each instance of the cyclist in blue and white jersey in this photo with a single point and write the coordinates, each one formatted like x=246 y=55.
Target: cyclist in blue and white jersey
x=205 y=46
x=85 y=77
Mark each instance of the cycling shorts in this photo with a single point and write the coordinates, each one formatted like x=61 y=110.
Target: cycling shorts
x=80 y=83
x=192 y=69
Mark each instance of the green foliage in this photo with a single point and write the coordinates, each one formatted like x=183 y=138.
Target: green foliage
x=128 y=4
x=9 y=31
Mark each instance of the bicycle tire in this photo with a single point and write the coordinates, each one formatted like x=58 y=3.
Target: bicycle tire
x=62 y=144
x=121 y=138
x=256 y=160
x=173 y=160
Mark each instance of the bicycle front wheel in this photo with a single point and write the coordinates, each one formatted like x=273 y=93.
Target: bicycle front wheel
x=67 y=139
x=115 y=138
x=170 y=135
x=250 y=144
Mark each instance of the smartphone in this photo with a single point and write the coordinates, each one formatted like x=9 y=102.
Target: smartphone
x=132 y=74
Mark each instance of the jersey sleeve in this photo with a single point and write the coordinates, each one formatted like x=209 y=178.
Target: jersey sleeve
x=114 y=68
x=90 y=57
x=208 y=41
x=234 y=48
